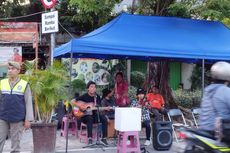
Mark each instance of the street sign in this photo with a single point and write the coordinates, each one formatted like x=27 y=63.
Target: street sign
x=50 y=22
x=48 y=3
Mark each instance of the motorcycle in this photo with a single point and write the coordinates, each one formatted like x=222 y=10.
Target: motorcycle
x=199 y=141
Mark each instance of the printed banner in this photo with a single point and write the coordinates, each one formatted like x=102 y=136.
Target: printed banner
x=90 y=69
x=9 y=54
x=17 y=32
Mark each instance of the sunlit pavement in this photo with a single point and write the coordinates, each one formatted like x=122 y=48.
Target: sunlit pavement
x=74 y=145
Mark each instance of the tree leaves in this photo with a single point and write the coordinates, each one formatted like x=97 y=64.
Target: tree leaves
x=92 y=13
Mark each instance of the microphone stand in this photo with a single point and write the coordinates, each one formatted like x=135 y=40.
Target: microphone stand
x=98 y=143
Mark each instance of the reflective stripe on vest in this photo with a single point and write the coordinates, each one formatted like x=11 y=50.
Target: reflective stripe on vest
x=12 y=104
x=18 y=89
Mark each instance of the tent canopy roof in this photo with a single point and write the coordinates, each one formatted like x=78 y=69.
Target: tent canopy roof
x=148 y=37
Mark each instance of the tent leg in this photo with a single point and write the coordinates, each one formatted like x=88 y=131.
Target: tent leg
x=203 y=64
x=128 y=71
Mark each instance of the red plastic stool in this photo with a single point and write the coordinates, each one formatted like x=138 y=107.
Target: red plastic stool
x=134 y=146
x=83 y=134
x=72 y=126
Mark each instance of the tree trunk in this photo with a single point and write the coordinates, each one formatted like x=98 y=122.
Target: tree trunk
x=158 y=75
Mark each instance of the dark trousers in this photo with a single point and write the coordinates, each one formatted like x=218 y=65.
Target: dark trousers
x=146 y=125
x=157 y=113
x=90 y=119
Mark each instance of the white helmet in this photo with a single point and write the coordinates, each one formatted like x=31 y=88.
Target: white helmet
x=221 y=71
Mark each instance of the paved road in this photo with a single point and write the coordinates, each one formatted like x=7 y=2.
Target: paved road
x=75 y=146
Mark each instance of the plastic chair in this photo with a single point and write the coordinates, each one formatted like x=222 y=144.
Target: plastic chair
x=172 y=113
x=72 y=126
x=195 y=115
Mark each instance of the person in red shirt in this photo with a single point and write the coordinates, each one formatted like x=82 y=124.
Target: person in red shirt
x=156 y=102
x=121 y=91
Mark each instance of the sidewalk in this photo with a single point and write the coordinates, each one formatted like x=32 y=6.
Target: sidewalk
x=74 y=145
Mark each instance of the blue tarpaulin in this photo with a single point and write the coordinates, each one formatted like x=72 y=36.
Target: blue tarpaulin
x=148 y=37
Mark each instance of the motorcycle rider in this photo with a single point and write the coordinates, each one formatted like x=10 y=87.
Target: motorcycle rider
x=216 y=98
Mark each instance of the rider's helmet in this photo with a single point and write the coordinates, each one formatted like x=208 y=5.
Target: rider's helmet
x=221 y=71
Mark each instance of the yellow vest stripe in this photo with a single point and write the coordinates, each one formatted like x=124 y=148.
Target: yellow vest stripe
x=18 y=89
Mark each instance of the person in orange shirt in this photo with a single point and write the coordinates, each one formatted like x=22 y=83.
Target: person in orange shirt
x=156 y=102
x=16 y=56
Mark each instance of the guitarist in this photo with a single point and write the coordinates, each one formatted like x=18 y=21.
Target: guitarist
x=91 y=99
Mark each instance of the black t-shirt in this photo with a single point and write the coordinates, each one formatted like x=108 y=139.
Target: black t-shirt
x=107 y=102
x=89 y=99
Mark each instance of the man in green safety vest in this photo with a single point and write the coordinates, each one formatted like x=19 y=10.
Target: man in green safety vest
x=16 y=108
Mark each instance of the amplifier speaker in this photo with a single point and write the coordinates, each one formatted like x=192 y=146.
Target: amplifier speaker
x=162 y=135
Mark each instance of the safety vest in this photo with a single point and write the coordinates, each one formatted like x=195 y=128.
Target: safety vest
x=12 y=104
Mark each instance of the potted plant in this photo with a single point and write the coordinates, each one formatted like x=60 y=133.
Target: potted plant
x=48 y=88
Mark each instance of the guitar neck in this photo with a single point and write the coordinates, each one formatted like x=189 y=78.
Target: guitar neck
x=100 y=108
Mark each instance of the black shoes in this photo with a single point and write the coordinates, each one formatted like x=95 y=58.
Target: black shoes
x=104 y=142
x=90 y=141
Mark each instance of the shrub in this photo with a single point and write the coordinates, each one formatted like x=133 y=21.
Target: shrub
x=132 y=92
x=78 y=86
x=187 y=99
x=137 y=79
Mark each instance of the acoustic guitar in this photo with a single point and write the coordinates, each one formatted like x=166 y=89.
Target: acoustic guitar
x=87 y=109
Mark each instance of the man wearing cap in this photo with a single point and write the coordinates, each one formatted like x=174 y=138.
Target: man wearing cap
x=145 y=117
x=16 y=109
x=89 y=100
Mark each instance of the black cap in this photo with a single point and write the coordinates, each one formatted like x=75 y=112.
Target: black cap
x=89 y=83
x=105 y=92
x=140 y=91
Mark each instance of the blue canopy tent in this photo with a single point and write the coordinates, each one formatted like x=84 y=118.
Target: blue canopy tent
x=149 y=37
x=152 y=37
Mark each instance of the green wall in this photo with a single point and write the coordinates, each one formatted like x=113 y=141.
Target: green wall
x=139 y=66
x=174 y=74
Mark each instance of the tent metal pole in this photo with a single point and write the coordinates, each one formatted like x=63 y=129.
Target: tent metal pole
x=203 y=64
x=128 y=71
x=71 y=65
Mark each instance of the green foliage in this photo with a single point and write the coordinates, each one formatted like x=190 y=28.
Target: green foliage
x=132 y=92
x=188 y=99
x=15 y=8
x=48 y=88
x=179 y=10
x=137 y=79
x=226 y=21
x=92 y=13
x=196 y=78
x=78 y=85
x=213 y=9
